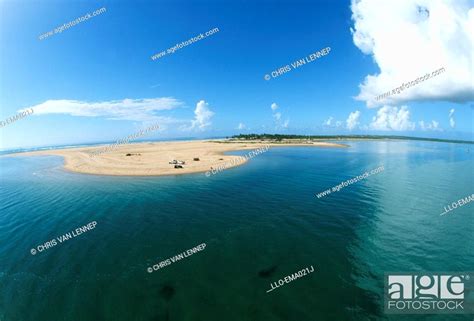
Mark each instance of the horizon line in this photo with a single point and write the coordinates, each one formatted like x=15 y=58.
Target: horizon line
x=381 y=137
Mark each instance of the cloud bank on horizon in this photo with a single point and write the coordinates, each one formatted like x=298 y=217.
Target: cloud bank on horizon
x=410 y=38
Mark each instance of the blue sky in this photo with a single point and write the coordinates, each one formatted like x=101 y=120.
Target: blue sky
x=80 y=80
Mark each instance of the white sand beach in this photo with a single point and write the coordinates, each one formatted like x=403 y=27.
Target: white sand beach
x=152 y=159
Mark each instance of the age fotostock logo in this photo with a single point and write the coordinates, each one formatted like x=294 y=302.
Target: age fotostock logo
x=429 y=292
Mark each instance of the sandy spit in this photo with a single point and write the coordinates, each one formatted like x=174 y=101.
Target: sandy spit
x=152 y=159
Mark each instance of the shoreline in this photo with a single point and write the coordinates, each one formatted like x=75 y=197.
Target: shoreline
x=153 y=158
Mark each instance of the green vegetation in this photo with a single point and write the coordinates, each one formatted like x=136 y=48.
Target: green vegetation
x=278 y=137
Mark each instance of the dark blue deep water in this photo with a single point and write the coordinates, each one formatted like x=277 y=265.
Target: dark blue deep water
x=260 y=222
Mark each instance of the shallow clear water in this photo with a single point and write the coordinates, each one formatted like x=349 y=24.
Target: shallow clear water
x=263 y=215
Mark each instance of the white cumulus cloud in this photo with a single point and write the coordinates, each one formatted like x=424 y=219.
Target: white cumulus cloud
x=409 y=38
x=277 y=116
x=452 y=122
x=328 y=121
x=203 y=115
x=353 y=120
x=392 y=118
x=434 y=125
x=241 y=126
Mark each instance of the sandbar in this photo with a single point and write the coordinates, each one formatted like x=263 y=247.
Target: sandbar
x=152 y=158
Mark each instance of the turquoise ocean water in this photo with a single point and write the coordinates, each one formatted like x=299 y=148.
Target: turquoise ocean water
x=260 y=222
